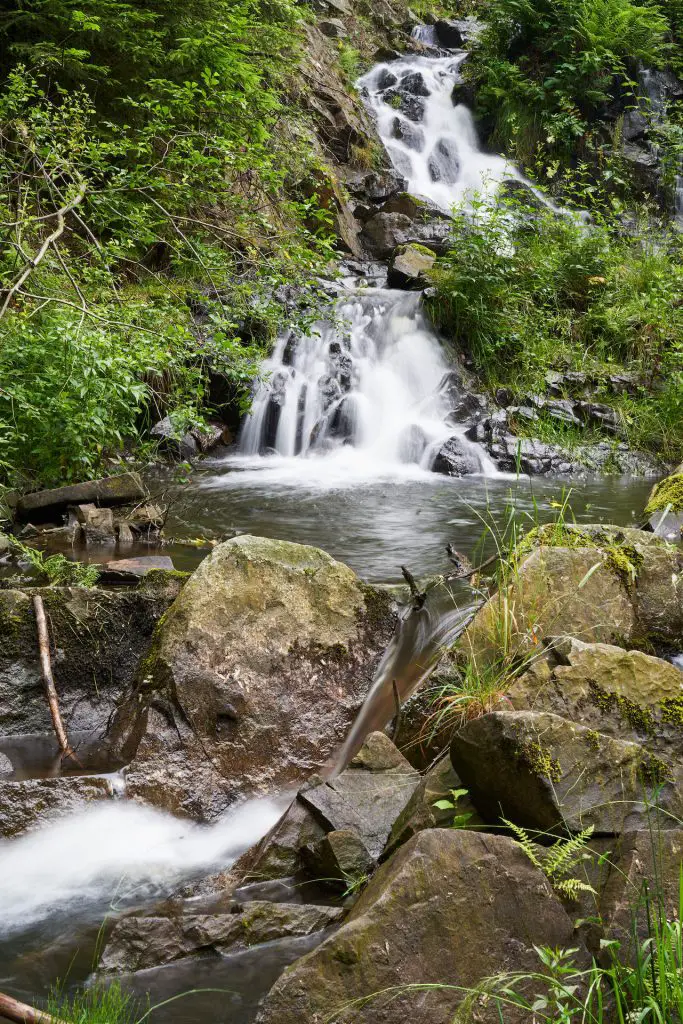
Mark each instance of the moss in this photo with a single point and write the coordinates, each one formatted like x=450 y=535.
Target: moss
x=539 y=760
x=377 y=606
x=653 y=771
x=639 y=718
x=672 y=711
x=667 y=494
x=625 y=561
x=593 y=739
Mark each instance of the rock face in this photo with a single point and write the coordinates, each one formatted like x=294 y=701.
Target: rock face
x=42 y=506
x=403 y=220
x=255 y=675
x=34 y=802
x=449 y=907
x=551 y=775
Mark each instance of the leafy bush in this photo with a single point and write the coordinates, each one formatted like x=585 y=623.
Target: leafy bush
x=545 y=69
x=526 y=293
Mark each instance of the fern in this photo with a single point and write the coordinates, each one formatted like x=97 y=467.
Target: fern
x=56 y=569
x=557 y=861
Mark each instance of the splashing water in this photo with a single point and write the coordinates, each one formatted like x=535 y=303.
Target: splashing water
x=118 y=852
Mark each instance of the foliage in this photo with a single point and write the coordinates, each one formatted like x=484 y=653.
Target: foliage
x=56 y=570
x=557 y=861
x=97 y=1005
x=151 y=176
x=461 y=819
x=545 y=70
x=527 y=292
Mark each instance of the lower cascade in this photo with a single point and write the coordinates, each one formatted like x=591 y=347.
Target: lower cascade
x=375 y=379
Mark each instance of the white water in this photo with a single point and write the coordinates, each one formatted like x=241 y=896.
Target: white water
x=118 y=852
x=438 y=154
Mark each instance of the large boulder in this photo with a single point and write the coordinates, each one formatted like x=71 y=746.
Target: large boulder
x=456 y=457
x=447 y=910
x=550 y=775
x=405 y=219
x=664 y=509
x=256 y=673
x=627 y=694
x=410 y=266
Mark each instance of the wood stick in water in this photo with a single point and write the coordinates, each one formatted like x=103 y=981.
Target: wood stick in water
x=48 y=680
x=22 y=1013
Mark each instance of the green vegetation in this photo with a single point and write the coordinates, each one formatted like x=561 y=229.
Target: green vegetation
x=547 y=70
x=56 y=570
x=666 y=496
x=529 y=292
x=558 y=861
x=98 y=1005
x=150 y=169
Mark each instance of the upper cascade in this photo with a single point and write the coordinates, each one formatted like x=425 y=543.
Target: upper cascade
x=432 y=141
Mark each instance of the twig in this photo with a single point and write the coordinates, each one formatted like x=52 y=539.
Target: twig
x=22 y=1013
x=397 y=701
x=51 y=238
x=418 y=596
x=50 y=689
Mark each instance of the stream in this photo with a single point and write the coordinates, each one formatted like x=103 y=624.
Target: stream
x=337 y=452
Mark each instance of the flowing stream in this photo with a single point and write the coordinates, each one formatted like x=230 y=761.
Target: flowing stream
x=337 y=452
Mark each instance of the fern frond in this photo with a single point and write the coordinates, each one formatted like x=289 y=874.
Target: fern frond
x=565 y=853
x=571 y=887
x=523 y=839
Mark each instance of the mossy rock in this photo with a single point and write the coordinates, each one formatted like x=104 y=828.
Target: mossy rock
x=664 y=510
x=255 y=675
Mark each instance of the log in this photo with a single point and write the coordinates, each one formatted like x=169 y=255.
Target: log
x=22 y=1013
x=48 y=680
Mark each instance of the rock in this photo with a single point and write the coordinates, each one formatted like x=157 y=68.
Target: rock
x=456 y=458
x=408 y=133
x=172 y=442
x=664 y=509
x=98 y=637
x=449 y=34
x=131 y=570
x=379 y=754
x=340 y=856
x=31 y=803
x=364 y=802
x=641 y=858
x=279 y=853
x=139 y=942
x=409 y=266
x=626 y=694
x=259 y=668
x=334 y=28
x=420 y=812
x=43 y=506
x=405 y=219
x=385 y=79
x=444 y=162
x=410 y=106
x=581 y=585
x=412 y=443
x=210 y=435
x=97 y=524
x=408 y=928
x=551 y=775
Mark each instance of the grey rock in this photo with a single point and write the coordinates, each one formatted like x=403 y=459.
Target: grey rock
x=409 y=266
x=171 y=443
x=41 y=506
x=31 y=803
x=449 y=34
x=334 y=28
x=456 y=458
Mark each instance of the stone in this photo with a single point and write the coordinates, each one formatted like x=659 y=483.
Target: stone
x=279 y=853
x=366 y=803
x=173 y=932
x=420 y=812
x=98 y=637
x=448 y=909
x=340 y=856
x=412 y=443
x=449 y=34
x=30 y=803
x=334 y=28
x=43 y=506
x=173 y=443
x=551 y=775
x=97 y=524
x=210 y=435
x=131 y=570
x=257 y=672
x=408 y=133
x=664 y=509
x=626 y=694
x=409 y=266
x=379 y=754
x=456 y=458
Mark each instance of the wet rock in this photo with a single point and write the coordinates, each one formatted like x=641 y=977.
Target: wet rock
x=379 y=754
x=551 y=775
x=44 y=506
x=412 y=444
x=172 y=442
x=444 y=162
x=407 y=133
x=131 y=570
x=31 y=803
x=98 y=637
x=449 y=33
x=383 y=232
x=414 y=84
x=97 y=524
x=385 y=79
x=340 y=856
x=256 y=674
x=139 y=942
x=279 y=853
x=456 y=458
x=409 y=266
x=410 y=106
x=664 y=509
x=401 y=932
x=211 y=435
x=376 y=186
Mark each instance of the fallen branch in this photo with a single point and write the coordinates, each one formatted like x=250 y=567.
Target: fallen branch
x=397 y=702
x=48 y=680
x=22 y=1013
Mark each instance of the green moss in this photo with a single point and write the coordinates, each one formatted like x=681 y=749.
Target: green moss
x=625 y=561
x=666 y=494
x=593 y=739
x=672 y=711
x=378 y=606
x=539 y=760
x=653 y=771
x=639 y=718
